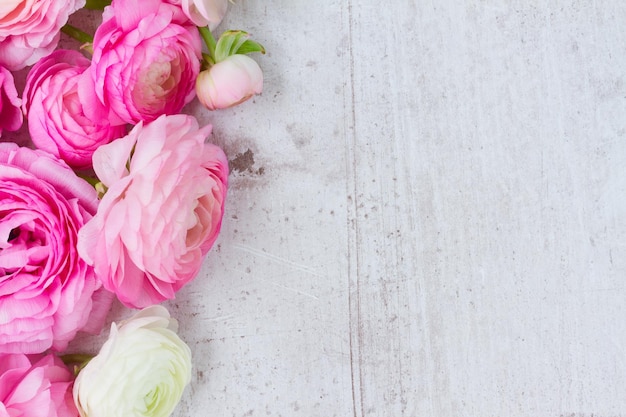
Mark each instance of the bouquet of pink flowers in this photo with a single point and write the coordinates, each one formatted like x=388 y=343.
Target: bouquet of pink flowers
x=119 y=196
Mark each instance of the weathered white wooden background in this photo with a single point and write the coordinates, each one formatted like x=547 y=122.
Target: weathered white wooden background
x=427 y=215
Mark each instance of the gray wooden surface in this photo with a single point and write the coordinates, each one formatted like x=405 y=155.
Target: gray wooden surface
x=427 y=215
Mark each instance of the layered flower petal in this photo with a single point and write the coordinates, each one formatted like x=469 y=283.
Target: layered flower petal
x=162 y=211
x=35 y=386
x=140 y=371
x=10 y=114
x=46 y=290
x=145 y=62
x=205 y=12
x=56 y=117
x=29 y=29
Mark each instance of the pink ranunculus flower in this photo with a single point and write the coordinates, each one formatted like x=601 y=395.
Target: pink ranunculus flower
x=47 y=292
x=229 y=82
x=10 y=113
x=161 y=213
x=35 y=386
x=29 y=29
x=56 y=118
x=145 y=62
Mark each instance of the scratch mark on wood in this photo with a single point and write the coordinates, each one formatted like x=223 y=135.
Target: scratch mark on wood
x=306 y=294
x=278 y=259
x=221 y=318
x=354 y=305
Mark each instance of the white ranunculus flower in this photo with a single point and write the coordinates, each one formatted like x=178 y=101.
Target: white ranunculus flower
x=141 y=370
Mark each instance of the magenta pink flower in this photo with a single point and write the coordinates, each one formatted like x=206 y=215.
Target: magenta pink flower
x=10 y=114
x=145 y=62
x=46 y=291
x=56 y=119
x=35 y=386
x=162 y=211
x=29 y=29
x=229 y=82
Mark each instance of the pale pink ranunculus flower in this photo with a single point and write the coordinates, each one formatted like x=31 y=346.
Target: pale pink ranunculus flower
x=10 y=113
x=56 y=119
x=29 y=29
x=162 y=211
x=35 y=386
x=205 y=12
x=229 y=82
x=47 y=292
x=145 y=62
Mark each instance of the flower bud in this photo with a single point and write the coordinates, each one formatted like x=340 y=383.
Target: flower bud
x=229 y=82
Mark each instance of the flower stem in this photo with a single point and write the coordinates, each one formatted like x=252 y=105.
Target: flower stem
x=93 y=181
x=77 y=34
x=209 y=40
x=76 y=361
x=97 y=4
x=76 y=358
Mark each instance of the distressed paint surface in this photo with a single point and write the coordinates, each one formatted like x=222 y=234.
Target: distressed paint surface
x=427 y=215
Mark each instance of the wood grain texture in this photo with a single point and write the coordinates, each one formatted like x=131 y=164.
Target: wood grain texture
x=427 y=215
x=483 y=160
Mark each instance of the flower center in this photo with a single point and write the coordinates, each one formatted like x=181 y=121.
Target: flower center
x=25 y=249
x=156 y=85
x=13 y=234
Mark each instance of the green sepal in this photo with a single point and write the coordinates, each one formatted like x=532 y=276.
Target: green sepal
x=229 y=43
x=249 y=47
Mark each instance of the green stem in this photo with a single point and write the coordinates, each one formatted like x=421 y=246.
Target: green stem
x=77 y=34
x=93 y=181
x=208 y=61
x=76 y=361
x=76 y=358
x=97 y=4
x=209 y=40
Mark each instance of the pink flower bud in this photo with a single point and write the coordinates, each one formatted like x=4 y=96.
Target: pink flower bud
x=229 y=82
